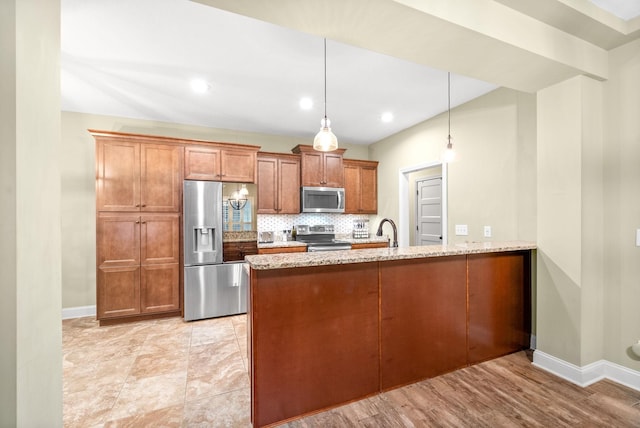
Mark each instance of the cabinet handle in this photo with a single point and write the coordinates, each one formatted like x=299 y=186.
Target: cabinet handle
x=137 y=221
x=137 y=205
x=144 y=222
x=144 y=205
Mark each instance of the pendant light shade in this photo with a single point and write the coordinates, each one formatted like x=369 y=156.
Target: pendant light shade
x=449 y=155
x=325 y=140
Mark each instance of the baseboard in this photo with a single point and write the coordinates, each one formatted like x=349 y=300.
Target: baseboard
x=591 y=373
x=78 y=312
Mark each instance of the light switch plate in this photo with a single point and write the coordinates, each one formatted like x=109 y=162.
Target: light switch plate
x=461 y=230
x=637 y=237
x=487 y=231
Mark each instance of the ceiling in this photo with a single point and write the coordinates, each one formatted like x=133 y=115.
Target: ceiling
x=137 y=58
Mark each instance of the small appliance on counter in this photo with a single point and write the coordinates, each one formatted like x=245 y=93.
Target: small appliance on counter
x=360 y=229
x=211 y=288
x=265 y=237
x=320 y=238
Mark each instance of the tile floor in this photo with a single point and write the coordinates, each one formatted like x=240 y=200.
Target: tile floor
x=160 y=373
x=169 y=373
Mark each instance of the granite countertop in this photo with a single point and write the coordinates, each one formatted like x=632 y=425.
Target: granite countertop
x=245 y=236
x=294 y=260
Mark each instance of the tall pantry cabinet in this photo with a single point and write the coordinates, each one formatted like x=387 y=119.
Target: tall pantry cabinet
x=138 y=202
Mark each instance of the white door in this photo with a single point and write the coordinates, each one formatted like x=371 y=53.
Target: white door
x=429 y=211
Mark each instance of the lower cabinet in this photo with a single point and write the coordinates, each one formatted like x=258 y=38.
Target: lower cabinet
x=362 y=246
x=280 y=250
x=138 y=266
x=236 y=251
x=423 y=319
x=499 y=304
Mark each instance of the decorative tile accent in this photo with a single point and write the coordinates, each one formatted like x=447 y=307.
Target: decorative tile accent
x=343 y=222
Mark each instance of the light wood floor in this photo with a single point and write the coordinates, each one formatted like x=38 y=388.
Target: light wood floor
x=168 y=373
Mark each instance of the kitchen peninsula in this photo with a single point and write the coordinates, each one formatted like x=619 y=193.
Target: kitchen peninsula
x=329 y=328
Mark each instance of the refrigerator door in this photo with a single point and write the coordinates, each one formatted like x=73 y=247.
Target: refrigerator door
x=215 y=290
x=202 y=205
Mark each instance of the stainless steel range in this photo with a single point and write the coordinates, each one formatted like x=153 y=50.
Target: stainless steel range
x=320 y=238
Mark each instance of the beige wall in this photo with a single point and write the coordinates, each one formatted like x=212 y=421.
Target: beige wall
x=494 y=140
x=622 y=205
x=569 y=281
x=30 y=332
x=588 y=205
x=77 y=164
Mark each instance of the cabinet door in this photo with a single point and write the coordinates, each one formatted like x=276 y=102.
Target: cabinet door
x=201 y=163
x=159 y=238
x=312 y=169
x=160 y=288
x=118 y=292
x=368 y=190
x=238 y=166
x=289 y=186
x=351 y=189
x=118 y=176
x=267 y=185
x=423 y=319
x=161 y=177
x=333 y=170
x=499 y=302
x=118 y=240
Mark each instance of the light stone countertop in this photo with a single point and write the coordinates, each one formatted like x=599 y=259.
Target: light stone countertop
x=295 y=260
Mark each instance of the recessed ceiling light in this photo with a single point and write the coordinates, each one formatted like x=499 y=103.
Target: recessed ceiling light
x=200 y=86
x=306 y=103
x=386 y=117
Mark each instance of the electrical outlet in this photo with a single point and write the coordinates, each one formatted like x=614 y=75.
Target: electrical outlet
x=461 y=230
x=487 y=231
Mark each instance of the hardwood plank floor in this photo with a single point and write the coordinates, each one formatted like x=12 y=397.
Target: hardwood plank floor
x=169 y=373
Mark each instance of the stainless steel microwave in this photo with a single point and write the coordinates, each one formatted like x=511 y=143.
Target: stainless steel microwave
x=322 y=200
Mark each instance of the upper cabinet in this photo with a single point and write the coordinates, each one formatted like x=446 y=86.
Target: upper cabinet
x=320 y=169
x=138 y=177
x=278 y=183
x=360 y=186
x=224 y=162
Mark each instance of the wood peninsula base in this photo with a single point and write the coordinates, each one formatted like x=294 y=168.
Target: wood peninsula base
x=325 y=335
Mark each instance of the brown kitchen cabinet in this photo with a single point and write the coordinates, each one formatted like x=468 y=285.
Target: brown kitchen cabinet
x=235 y=251
x=360 y=186
x=138 y=259
x=221 y=162
x=423 y=319
x=365 y=245
x=320 y=169
x=278 y=183
x=314 y=339
x=138 y=177
x=499 y=304
x=280 y=250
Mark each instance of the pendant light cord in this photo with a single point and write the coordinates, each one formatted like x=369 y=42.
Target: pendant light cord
x=325 y=79
x=449 y=102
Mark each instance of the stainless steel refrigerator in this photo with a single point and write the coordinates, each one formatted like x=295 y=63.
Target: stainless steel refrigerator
x=211 y=288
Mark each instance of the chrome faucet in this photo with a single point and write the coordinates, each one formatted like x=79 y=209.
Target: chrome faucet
x=395 y=231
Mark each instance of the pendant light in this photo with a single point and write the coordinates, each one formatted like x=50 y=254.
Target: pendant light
x=449 y=155
x=238 y=199
x=325 y=140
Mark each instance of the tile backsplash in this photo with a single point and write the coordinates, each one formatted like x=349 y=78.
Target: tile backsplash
x=343 y=222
